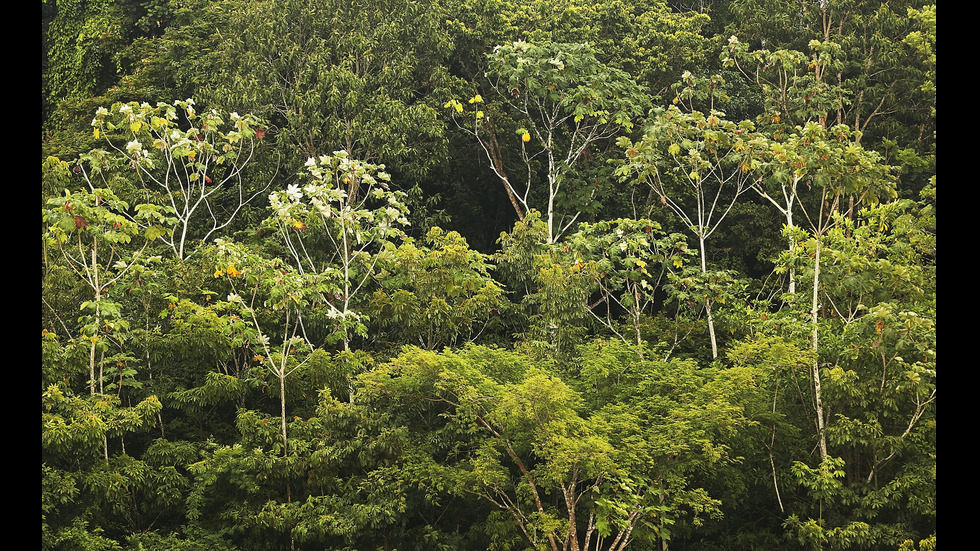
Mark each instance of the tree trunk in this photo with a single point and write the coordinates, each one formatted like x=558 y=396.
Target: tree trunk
x=493 y=149
x=707 y=304
x=814 y=312
x=282 y=407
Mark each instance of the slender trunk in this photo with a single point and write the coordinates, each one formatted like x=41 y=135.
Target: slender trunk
x=183 y=238
x=792 y=241
x=282 y=406
x=636 y=326
x=552 y=191
x=817 y=396
x=91 y=367
x=772 y=462
x=707 y=303
x=789 y=200
x=551 y=218
x=569 y=495
x=343 y=317
x=711 y=330
x=96 y=286
x=281 y=374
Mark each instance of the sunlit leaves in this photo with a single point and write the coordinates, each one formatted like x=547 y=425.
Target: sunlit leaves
x=77 y=424
x=437 y=293
x=567 y=76
x=546 y=452
x=181 y=155
x=633 y=259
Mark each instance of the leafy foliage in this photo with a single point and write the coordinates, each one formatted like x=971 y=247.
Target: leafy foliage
x=439 y=294
x=320 y=325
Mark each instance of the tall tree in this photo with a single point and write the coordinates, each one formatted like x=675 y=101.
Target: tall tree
x=877 y=363
x=696 y=164
x=334 y=229
x=437 y=293
x=839 y=167
x=568 y=103
x=552 y=286
x=198 y=172
x=870 y=66
x=648 y=39
x=635 y=260
x=93 y=230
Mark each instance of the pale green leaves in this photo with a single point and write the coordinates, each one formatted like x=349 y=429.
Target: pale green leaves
x=184 y=166
x=336 y=228
x=568 y=75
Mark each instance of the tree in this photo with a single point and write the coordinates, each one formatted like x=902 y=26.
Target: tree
x=440 y=293
x=328 y=276
x=696 y=164
x=91 y=229
x=839 y=167
x=84 y=45
x=197 y=172
x=275 y=285
x=877 y=362
x=646 y=38
x=634 y=259
x=334 y=229
x=567 y=468
x=82 y=483
x=568 y=103
x=868 y=66
x=552 y=286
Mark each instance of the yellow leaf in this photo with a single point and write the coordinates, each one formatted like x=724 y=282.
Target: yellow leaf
x=526 y=137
